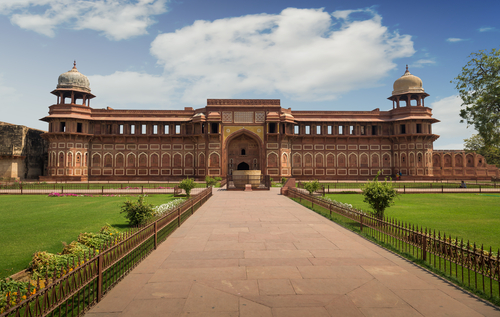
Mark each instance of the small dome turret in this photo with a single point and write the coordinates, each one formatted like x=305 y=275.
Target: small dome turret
x=73 y=79
x=407 y=83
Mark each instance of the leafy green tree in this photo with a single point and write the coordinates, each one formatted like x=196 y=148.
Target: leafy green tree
x=312 y=186
x=490 y=152
x=479 y=87
x=187 y=184
x=138 y=212
x=379 y=195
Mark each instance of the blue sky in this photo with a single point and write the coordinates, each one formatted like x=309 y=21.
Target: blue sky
x=316 y=54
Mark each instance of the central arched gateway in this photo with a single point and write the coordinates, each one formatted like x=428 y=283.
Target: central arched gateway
x=243 y=153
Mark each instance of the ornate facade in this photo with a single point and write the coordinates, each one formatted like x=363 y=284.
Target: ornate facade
x=230 y=134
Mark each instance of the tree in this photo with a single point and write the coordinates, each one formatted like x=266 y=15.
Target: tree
x=479 y=88
x=187 y=184
x=490 y=152
x=211 y=182
x=312 y=186
x=379 y=195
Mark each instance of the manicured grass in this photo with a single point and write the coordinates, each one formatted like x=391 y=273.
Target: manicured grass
x=473 y=217
x=33 y=223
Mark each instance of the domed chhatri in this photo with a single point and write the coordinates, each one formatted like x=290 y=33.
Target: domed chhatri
x=407 y=83
x=74 y=80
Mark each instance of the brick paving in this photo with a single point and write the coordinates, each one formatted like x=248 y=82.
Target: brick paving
x=260 y=254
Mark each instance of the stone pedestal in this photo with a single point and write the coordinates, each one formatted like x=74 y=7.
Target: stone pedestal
x=248 y=187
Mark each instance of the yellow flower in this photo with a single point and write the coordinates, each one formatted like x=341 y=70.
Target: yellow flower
x=70 y=269
x=24 y=297
x=15 y=293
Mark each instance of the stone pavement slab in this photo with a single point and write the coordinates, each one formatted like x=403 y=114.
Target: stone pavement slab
x=261 y=254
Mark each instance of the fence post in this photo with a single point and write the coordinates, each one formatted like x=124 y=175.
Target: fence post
x=442 y=189
x=404 y=189
x=323 y=191
x=156 y=233
x=62 y=189
x=330 y=207
x=361 y=223
x=192 y=206
x=424 y=248
x=21 y=187
x=99 y=276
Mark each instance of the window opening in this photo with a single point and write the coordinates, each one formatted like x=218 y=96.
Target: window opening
x=108 y=128
x=120 y=129
x=243 y=166
x=403 y=129
x=155 y=129
x=351 y=130
x=272 y=127
x=329 y=129
x=132 y=129
x=318 y=129
x=243 y=152
x=143 y=129
x=308 y=129
x=374 y=130
x=166 y=129
x=296 y=129
x=63 y=127
x=202 y=128
x=419 y=128
x=362 y=130
x=214 y=128
x=79 y=127
x=341 y=129
x=177 y=129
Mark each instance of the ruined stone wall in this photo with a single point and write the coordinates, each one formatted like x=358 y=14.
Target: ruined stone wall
x=23 y=152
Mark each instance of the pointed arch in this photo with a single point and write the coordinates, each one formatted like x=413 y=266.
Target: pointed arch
x=165 y=160
x=284 y=160
x=330 y=160
x=119 y=160
x=308 y=160
x=375 y=161
x=177 y=159
x=188 y=160
x=96 y=160
x=297 y=160
x=319 y=160
x=131 y=160
x=363 y=160
x=154 y=160
x=353 y=160
x=201 y=160
x=69 y=160
x=143 y=160
x=108 y=160
x=341 y=160
x=386 y=160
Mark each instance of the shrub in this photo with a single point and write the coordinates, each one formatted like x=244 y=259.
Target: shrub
x=379 y=195
x=218 y=178
x=210 y=181
x=312 y=186
x=187 y=184
x=138 y=212
x=165 y=208
x=283 y=180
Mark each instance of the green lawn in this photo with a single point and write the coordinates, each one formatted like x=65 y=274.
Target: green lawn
x=474 y=217
x=33 y=223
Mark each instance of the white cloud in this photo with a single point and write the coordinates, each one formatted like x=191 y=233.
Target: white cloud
x=455 y=39
x=297 y=53
x=451 y=131
x=122 y=89
x=486 y=29
x=422 y=63
x=115 y=19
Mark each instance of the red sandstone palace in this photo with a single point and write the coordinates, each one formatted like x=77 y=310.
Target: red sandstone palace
x=255 y=134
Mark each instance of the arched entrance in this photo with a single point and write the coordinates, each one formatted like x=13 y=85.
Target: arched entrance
x=243 y=153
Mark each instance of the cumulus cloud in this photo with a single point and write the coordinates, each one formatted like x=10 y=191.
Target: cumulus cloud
x=455 y=39
x=452 y=132
x=122 y=89
x=115 y=19
x=304 y=54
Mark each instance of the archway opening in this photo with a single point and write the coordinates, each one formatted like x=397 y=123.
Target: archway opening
x=243 y=166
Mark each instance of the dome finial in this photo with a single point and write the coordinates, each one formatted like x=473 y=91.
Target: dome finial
x=407 y=71
x=74 y=64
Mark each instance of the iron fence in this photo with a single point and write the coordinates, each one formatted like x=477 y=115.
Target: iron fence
x=412 y=187
x=83 y=284
x=93 y=188
x=473 y=266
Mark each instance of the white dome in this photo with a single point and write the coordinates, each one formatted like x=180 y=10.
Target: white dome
x=73 y=79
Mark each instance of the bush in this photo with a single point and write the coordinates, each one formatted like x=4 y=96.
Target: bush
x=312 y=186
x=138 y=212
x=187 y=184
x=210 y=181
x=379 y=195
x=283 y=180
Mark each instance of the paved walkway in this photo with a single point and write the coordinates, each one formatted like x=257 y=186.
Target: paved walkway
x=260 y=254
